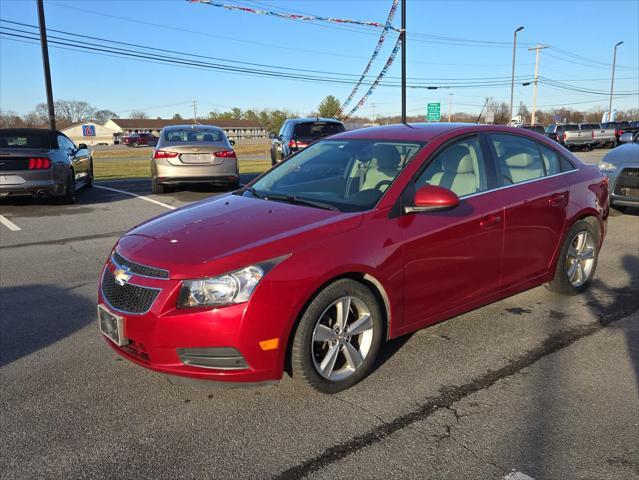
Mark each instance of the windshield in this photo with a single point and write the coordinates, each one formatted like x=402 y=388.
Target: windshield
x=347 y=175
x=194 y=135
x=317 y=129
x=25 y=140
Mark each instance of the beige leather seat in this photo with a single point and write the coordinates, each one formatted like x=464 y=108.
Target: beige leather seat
x=523 y=166
x=457 y=171
x=384 y=166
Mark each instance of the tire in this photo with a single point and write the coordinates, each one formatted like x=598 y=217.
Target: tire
x=134 y=144
x=353 y=357
x=70 y=192
x=90 y=179
x=157 y=187
x=273 y=161
x=572 y=253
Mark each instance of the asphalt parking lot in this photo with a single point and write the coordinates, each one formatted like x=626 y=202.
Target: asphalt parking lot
x=535 y=386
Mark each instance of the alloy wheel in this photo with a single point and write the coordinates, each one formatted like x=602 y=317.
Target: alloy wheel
x=580 y=258
x=342 y=338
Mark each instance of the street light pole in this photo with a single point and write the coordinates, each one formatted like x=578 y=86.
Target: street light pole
x=534 y=102
x=403 y=33
x=512 y=83
x=450 y=105
x=612 y=83
x=45 y=64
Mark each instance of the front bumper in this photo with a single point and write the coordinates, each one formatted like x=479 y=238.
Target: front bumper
x=220 y=344
x=624 y=186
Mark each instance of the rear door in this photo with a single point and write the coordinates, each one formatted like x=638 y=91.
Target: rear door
x=452 y=258
x=535 y=195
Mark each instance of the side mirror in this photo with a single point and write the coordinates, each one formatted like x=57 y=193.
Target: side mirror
x=272 y=136
x=626 y=137
x=232 y=142
x=82 y=146
x=431 y=198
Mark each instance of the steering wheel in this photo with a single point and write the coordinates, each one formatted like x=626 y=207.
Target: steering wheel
x=382 y=183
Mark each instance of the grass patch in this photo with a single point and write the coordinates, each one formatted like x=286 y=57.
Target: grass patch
x=145 y=152
x=123 y=169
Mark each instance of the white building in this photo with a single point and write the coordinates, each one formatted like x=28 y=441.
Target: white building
x=90 y=133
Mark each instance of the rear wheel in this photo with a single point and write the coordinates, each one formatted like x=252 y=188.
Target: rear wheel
x=157 y=187
x=90 y=174
x=338 y=337
x=69 y=196
x=577 y=260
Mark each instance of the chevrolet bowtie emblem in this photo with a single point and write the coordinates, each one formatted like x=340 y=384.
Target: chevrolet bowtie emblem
x=122 y=275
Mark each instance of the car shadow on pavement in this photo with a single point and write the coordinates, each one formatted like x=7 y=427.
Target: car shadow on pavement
x=36 y=316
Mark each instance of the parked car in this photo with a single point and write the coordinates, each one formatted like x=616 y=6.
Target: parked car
x=139 y=140
x=42 y=163
x=571 y=136
x=535 y=128
x=298 y=133
x=620 y=129
x=621 y=165
x=193 y=154
x=601 y=136
x=360 y=238
x=554 y=133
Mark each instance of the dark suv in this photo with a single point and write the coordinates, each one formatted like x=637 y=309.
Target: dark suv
x=140 y=139
x=298 y=133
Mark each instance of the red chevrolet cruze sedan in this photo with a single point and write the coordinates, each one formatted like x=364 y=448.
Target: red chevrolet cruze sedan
x=362 y=237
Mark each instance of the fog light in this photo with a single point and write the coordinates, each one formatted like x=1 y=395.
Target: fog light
x=223 y=358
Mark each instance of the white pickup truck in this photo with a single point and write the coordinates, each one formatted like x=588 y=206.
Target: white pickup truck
x=574 y=137
x=600 y=136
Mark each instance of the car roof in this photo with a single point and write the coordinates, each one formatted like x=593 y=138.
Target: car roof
x=314 y=119
x=191 y=127
x=28 y=130
x=424 y=132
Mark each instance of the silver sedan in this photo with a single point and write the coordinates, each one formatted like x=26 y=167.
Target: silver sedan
x=193 y=154
x=621 y=165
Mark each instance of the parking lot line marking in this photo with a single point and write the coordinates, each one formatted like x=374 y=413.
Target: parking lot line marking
x=141 y=197
x=9 y=224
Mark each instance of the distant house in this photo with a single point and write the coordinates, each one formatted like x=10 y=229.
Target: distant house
x=234 y=129
x=89 y=133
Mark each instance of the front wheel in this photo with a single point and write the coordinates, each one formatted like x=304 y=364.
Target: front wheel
x=577 y=260
x=338 y=338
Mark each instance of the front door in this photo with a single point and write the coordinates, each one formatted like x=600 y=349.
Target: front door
x=452 y=258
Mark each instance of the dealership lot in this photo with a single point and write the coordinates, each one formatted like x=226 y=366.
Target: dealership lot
x=538 y=384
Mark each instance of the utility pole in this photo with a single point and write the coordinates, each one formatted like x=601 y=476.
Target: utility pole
x=373 y=105
x=612 y=83
x=450 y=105
x=403 y=33
x=45 y=64
x=534 y=102
x=512 y=83
x=194 y=112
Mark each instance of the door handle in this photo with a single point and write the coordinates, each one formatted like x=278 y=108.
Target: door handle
x=557 y=199
x=490 y=221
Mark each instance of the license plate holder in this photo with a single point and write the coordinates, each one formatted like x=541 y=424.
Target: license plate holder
x=112 y=326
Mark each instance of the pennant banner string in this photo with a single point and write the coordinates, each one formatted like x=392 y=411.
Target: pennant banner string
x=378 y=47
x=379 y=78
x=293 y=16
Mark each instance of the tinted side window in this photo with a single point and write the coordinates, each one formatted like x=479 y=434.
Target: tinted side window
x=552 y=160
x=566 y=166
x=283 y=129
x=459 y=167
x=64 y=143
x=518 y=158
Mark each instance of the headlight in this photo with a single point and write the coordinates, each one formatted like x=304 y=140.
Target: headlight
x=228 y=289
x=234 y=287
x=607 y=167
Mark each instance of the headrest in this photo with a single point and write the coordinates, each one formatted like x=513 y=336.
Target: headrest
x=520 y=160
x=456 y=159
x=387 y=156
x=207 y=137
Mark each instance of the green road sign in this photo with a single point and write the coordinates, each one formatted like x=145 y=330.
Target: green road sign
x=433 y=113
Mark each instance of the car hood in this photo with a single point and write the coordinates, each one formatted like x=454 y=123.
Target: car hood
x=623 y=154
x=228 y=232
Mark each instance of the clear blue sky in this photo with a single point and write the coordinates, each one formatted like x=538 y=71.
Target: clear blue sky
x=589 y=29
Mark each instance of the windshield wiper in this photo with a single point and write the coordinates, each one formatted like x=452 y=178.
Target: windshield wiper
x=254 y=192
x=301 y=201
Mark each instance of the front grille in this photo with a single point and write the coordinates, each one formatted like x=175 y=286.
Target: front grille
x=127 y=298
x=628 y=183
x=12 y=163
x=139 y=269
